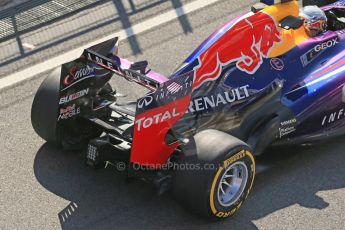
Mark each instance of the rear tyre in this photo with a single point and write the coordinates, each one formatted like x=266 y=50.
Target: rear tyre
x=45 y=108
x=215 y=174
x=44 y=113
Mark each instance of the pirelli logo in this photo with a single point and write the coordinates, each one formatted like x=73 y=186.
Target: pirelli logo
x=234 y=158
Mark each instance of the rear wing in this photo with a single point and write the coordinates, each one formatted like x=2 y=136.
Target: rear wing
x=105 y=55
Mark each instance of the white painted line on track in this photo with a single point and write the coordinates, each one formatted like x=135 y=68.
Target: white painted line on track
x=123 y=34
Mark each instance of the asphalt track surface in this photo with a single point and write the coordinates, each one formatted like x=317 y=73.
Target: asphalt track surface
x=44 y=188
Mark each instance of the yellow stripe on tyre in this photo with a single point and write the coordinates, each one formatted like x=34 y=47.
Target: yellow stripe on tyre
x=226 y=163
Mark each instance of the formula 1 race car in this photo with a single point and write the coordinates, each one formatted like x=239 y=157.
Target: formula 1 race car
x=258 y=81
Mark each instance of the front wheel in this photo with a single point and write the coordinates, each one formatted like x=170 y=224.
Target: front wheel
x=221 y=178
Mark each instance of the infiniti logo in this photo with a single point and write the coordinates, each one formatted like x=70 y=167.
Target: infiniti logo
x=146 y=101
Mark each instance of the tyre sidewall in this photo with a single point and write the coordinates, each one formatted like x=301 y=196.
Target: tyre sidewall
x=239 y=154
x=193 y=188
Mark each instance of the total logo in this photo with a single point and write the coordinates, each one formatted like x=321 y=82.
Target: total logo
x=327 y=44
x=76 y=74
x=146 y=122
x=217 y=100
x=74 y=96
x=70 y=111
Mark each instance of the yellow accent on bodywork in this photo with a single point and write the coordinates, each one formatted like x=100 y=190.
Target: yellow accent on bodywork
x=281 y=11
x=291 y=38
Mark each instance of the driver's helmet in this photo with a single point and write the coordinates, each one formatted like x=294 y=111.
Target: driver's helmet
x=315 y=20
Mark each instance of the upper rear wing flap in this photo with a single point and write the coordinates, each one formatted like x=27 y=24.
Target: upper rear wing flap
x=105 y=55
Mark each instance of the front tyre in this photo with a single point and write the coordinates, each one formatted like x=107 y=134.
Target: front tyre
x=223 y=175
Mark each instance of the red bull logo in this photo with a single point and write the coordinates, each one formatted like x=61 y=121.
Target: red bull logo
x=247 y=42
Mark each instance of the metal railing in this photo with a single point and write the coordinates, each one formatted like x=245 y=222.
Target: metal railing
x=34 y=14
x=19 y=22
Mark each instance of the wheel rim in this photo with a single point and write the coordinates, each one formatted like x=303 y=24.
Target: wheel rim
x=232 y=183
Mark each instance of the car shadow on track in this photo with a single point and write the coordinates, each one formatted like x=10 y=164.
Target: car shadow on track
x=102 y=199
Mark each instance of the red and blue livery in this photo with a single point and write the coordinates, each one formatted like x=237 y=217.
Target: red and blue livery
x=258 y=81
